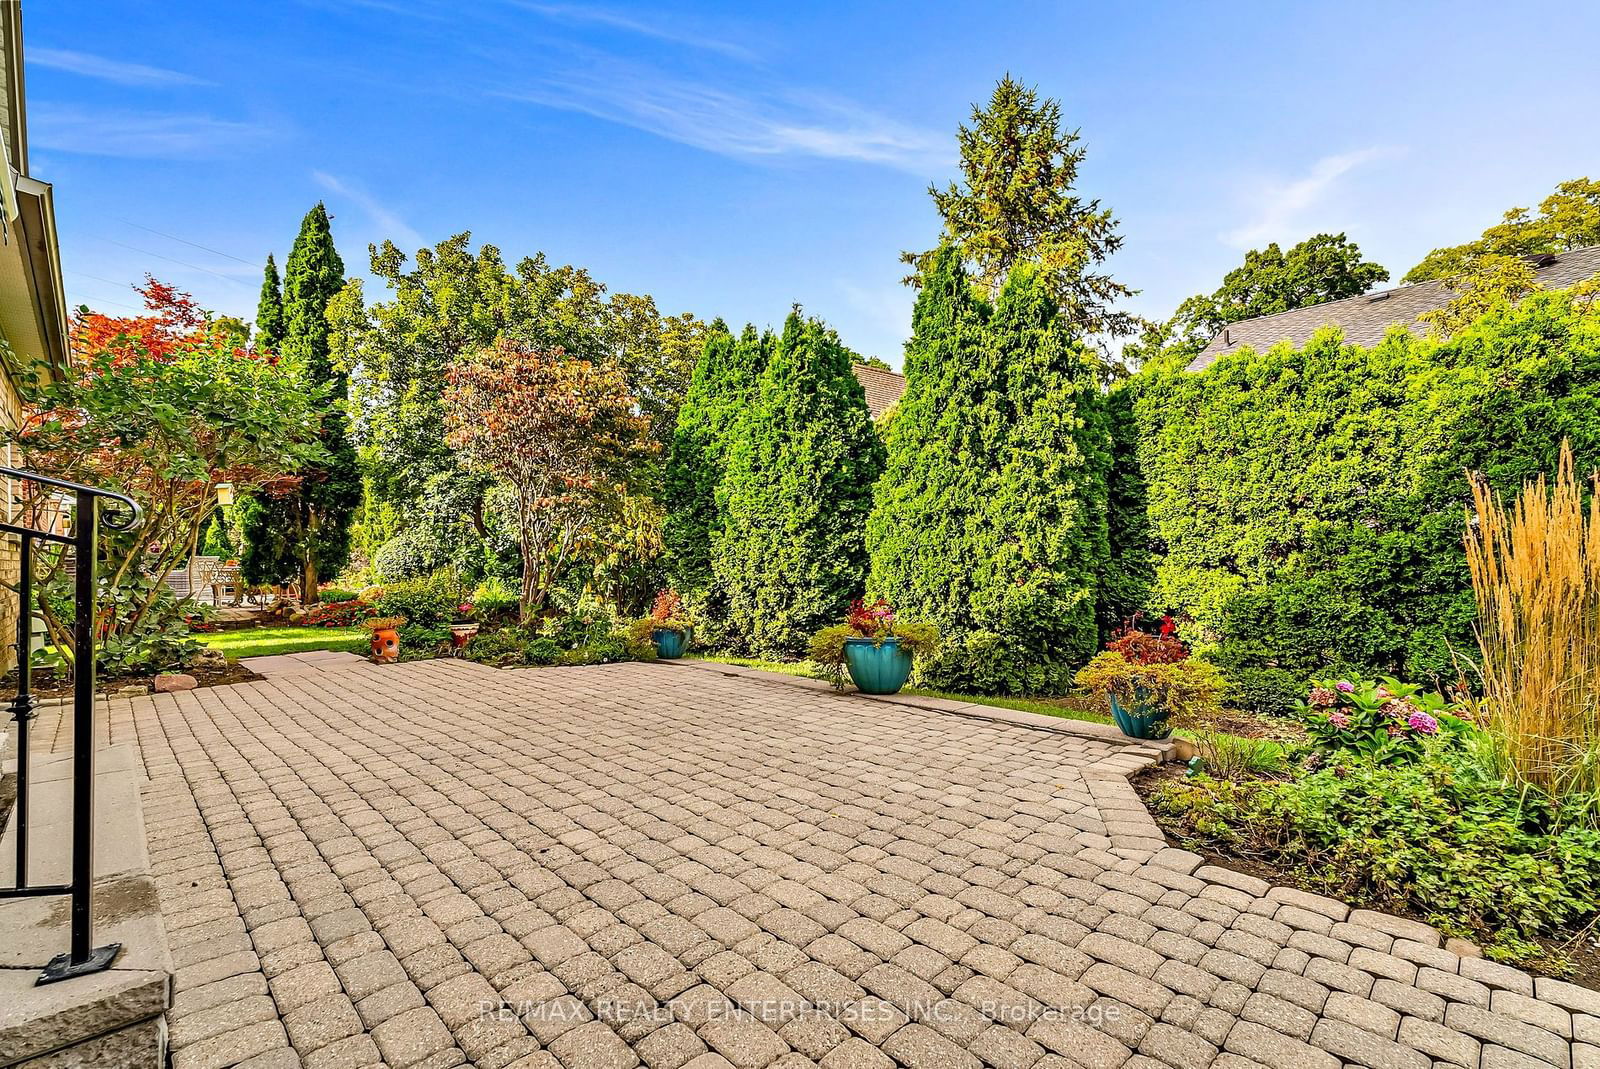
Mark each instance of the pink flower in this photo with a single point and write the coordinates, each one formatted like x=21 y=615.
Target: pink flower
x=1322 y=697
x=1347 y=688
x=1338 y=719
x=1422 y=723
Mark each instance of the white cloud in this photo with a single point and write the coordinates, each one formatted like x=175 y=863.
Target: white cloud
x=141 y=135
x=743 y=126
x=108 y=70
x=628 y=24
x=1283 y=206
x=388 y=223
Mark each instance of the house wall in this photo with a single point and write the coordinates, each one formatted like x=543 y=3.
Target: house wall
x=10 y=401
x=10 y=417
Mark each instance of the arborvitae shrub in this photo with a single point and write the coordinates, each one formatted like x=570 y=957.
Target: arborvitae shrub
x=790 y=553
x=990 y=520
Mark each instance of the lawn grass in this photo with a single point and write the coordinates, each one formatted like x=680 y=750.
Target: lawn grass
x=804 y=669
x=1045 y=706
x=267 y=641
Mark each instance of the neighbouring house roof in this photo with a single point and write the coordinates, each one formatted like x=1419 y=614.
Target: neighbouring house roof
x=1365 y=319
x=883 y=387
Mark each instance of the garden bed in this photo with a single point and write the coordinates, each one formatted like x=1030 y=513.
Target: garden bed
x=47 y=685
x=1573 y=956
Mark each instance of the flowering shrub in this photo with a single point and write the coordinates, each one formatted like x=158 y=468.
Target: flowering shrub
x=1382 y=722
x=877 y=621
x=466 y=612
x=1141 y=647
x=1439 y=837
x=338 y=614
x=669 y=614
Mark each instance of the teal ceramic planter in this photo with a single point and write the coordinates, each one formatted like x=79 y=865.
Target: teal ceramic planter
x=669 y=644
x=1140 y=718
x=875 y=668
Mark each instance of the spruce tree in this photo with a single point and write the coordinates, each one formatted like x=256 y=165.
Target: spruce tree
x=791 y=553
x=1017 y=203
x=269 y=310
x=304 y=535
x=990 y=519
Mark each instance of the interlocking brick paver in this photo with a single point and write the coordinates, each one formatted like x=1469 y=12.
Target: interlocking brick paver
x=433 y=864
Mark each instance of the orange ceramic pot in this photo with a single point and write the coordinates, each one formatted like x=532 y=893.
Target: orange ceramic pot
x=386 y=645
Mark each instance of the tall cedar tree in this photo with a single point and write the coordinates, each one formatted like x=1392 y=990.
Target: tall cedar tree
x=1016 y=203
x=990 y=519
x=304 y=533
x=269 y=310
x=1131 y=568
x=723 y=383
x=791 y=553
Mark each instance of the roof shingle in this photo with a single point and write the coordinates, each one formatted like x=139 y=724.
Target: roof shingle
x=1367 y=318
x=883 y=387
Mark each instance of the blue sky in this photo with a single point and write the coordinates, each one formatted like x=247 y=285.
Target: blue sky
x=731 y=159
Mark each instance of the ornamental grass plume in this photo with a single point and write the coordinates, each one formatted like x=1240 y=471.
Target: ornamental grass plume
x=1536 y=575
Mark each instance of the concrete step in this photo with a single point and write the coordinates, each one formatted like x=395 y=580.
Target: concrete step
x=113 y=1017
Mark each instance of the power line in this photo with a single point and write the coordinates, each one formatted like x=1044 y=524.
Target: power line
x=173 y=260
x=98 y=278
x=186 y=241
x=93 y=301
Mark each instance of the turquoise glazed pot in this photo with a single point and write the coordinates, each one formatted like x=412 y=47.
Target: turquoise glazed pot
x=1143 y=720
x=669 y=644
x=874 y=668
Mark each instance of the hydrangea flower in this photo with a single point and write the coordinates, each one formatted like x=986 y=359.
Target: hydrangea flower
x=1422 y=723
x=1338 y=719
x=1322 y=697
x=1346 y=687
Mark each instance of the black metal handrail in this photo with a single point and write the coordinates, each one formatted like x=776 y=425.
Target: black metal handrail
x=83 y=957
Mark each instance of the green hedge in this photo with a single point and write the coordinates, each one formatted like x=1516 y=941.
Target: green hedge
x=1307 y=505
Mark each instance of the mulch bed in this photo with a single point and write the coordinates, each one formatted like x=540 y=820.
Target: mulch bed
x=48 y=685
x=1581 y=949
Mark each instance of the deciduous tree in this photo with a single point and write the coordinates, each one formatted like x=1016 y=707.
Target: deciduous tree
x=1569 y=218
x=162 y=407
x=1323 y=267
x=453 y=300
x=563 y=433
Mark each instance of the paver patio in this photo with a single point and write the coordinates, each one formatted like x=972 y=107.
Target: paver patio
x=436 y=863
